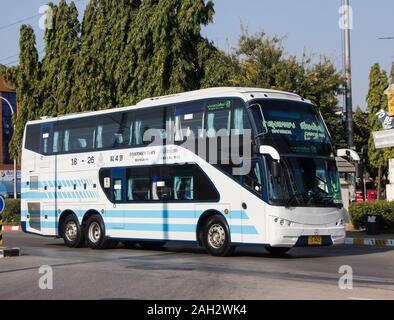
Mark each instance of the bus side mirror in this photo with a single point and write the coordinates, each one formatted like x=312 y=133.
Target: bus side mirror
x=276 y=169
x=359 y=170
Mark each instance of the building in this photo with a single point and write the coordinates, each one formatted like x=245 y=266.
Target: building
x=7 y=96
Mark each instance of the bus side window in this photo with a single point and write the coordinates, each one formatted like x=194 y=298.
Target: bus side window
x=240 y=120
x=144 y=120
x=57 y=141
x=183 y=188
x=189 y=120
x=218 y=122
x=113 y=130
x=138 y=189
x=45 y=141
x=32 y=138
x=117 y=189
x=252 y=180
x=77 y=135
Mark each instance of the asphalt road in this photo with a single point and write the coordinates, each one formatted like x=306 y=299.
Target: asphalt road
x=187 y=272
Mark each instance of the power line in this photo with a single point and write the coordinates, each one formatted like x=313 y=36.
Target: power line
x=6 y=26
x=15 y=55
x=19 y=21
x=9 y=64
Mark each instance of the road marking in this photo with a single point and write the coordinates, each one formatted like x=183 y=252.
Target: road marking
x=357 y=298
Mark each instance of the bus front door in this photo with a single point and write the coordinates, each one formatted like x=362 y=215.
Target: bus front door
x=118 y=192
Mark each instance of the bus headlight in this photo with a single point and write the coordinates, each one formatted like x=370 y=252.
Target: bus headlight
x=283 y=222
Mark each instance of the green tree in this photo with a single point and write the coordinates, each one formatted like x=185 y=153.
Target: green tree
x=376 y=100
x=361 y=129
x=323 y=85
x=163 y=48
x=263 y=63
x=217 y=68
x=91 y=90
x=61 y=51
x=26 y=83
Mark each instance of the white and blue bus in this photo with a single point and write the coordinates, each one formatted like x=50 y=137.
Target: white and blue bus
x=93 y=179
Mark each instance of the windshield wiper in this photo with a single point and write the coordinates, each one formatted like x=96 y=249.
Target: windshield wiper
x=293 y=197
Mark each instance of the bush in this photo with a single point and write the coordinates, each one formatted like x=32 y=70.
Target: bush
x=358 y=212
x=12 y=212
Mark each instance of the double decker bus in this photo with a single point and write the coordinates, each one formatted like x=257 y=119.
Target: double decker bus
x=225 y=167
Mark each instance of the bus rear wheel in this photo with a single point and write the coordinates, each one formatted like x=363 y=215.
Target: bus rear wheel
x=216 y=237
x=95 y=234
x=71 y=232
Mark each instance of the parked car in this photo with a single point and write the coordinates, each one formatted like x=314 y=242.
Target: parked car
x=370 y=196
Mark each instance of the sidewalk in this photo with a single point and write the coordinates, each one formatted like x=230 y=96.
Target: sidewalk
x=360 y=238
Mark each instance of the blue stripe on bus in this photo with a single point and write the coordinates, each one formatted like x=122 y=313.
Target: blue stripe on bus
x=60 y=195
x=64 y=183
x=152 y=214
x=153 y=227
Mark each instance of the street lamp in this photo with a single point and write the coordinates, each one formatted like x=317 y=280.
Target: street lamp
x=15 y=175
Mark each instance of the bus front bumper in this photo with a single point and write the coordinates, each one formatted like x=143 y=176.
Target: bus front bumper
x=307 y=236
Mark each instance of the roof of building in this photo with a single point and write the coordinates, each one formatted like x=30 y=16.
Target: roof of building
x=5 y=87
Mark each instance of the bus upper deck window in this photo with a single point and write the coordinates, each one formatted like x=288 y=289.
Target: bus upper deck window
x=189 y=121
x=218 y=118
x=240 y=120
x=57 y=142
x=45 y=141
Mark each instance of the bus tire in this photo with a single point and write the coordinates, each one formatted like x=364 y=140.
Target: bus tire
x=71 y=232
x=277 y=250
x=151 y=244
x=216 y=237
x=95 y=234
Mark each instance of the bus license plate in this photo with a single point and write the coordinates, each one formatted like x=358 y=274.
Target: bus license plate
x=315 y=241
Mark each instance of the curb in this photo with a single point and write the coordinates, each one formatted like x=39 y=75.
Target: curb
x=12 y=228
x=370 y=242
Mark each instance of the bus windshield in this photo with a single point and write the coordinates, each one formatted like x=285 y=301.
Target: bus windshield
x=306 y=181
x=291 y=127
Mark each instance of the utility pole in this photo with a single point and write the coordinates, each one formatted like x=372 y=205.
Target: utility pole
x=348 y=74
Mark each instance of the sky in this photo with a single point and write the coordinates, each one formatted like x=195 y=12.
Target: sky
x=309 y=26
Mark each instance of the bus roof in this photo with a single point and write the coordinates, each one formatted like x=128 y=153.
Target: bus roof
x=240 y=92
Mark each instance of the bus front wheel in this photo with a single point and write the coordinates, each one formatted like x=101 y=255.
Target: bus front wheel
x=71 y=232
x=216 y=237
x=95 y=234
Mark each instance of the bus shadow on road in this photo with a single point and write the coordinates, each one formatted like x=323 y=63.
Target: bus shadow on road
x=252 y=251
x=311 y=253
x=261 y=252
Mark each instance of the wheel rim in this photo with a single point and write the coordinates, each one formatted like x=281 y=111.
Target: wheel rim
x=94 y=232
x=216 y=236
x=71 y=232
